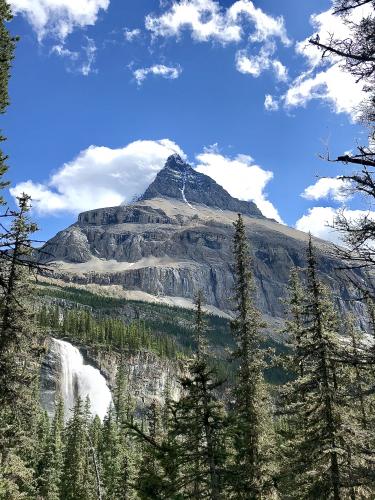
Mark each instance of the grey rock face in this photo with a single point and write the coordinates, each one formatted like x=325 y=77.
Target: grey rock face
x=70 y=244
x=169 y=245
x=50 y=380
x=148 y=375
x=178 y=180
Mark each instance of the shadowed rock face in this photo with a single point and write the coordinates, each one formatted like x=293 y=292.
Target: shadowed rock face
x=178 y=180
x=177 y=239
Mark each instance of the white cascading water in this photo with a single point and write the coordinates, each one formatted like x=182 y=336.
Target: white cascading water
x=79 y=379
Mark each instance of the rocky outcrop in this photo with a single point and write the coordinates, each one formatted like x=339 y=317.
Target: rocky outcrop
x=149 y=376
x=178 y=239
x=50 y=378
x=178 y=180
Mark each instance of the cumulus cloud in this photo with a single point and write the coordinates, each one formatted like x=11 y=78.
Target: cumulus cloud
x=59 y=18
x=319 y=219
x=204 y=18
x=332 y=85
x=254 y=65
x=100 y=177
x=207 y=20
x=168 y=72
x=317 y=222
x=266 y=26
x=325 y=79
x=270 y=103
x=240 y=177
x=328 y=187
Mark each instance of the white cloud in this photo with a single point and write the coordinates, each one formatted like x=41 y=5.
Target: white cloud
x=90 y=51
x=204 y=18
x=131 y=35
x=80 y=62
x=254 y=65
x=62 y=51
x=324 y=24
x=266 y=26
x=240 y=177
x=317 y=222
x=100 y=177
x=58 y=18
x=280 y=70
x=332 y=85
x=328 y=187
x=270 y=103
x=325 y=79
x=319 y=219
x=207 y=20
x=168 y=72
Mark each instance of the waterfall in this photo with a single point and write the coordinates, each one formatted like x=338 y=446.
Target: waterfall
x=80 y=379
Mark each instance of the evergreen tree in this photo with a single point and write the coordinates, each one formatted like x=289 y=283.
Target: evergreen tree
x=199 y=423
x=50 y=467
x=149 y=482
x=324 y=453
x=7 y=47
x=184 y=450
x=111 y=455
x=19 y=357
x=251 y=423
x=78 y=482
x=117 y=450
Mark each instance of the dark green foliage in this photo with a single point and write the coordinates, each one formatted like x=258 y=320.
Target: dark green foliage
x=175 y=322
x=49 y=469
x=150 y=481
x=19 y=350
x=83 y=327
x=7 y=47
x=78 y=477
x=184 y=450
x=251 y=423
x=323 y=439
x=199 y=424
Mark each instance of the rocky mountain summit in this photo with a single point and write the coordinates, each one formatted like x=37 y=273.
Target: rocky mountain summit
x=179 y=180
x=177 y=239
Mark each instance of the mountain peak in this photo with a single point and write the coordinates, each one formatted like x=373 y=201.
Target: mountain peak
x=180 y=181
x=176 y=163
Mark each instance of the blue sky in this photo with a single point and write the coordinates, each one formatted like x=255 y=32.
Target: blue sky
x=102 y=92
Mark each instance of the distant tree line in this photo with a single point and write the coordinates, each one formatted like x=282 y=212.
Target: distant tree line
x=80 y=325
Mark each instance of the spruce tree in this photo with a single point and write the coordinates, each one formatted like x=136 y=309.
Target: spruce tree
x=184 y=445
x=111 y=456
x=7 y=47
x=118 y=454
x=149 y=482
x=199 y=423
x=19 y=356
x=252 y=474
x=324 y=450
x=51 y=463
x=78 y=477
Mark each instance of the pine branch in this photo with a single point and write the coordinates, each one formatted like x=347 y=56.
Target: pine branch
x=346 y=8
